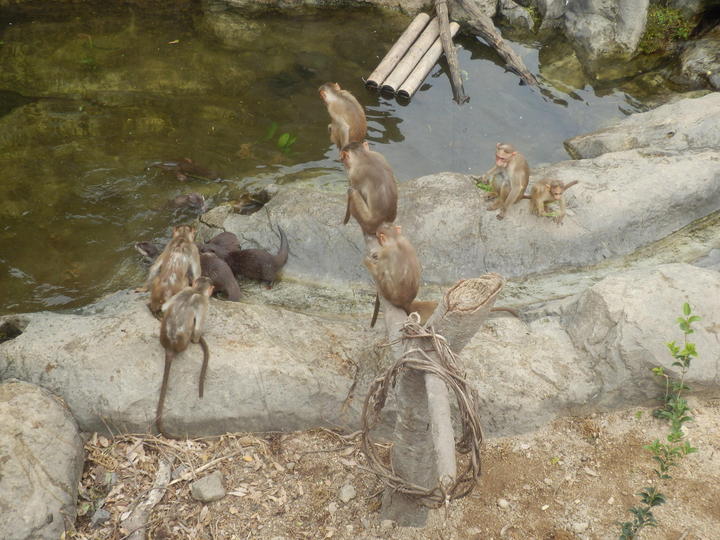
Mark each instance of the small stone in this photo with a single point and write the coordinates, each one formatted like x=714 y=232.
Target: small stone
x=209 y=488
x=290 y=466
x=527 y=487
x=179 y=471
x=611 y=500
x=347 y=493
x=580 y=527
x=332 y=507
x=548 y=482
x=544 y=507
x=365 y=522
x=503 y=503
x=99 y=517
x=589 y=471
x=387 y=524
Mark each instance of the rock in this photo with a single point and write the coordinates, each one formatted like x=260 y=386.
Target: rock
x=624 y=321
x=605 y=29
x=711 y=260
x=99 y=517
x=700 y=61
x=516 y=15
x=503 y=503
x=270 y=369
x=332 y=507
x=347 y=493
x=387 y=524
x=459 y=13
x=41 y=461
x=580 y=528
x=690 y=8
x=689 y=124
x=209 y=488
x=552 y=12
x=263 y=6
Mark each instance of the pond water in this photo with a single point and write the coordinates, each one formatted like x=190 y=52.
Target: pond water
x=88 y=102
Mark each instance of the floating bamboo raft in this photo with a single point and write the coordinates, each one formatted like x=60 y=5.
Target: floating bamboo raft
x=409 y=61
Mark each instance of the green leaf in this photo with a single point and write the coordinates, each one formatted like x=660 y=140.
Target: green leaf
x=271 y=131
x=686 y=309
x=283 y=140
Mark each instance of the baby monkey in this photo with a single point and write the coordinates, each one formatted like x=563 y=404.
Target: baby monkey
x=546 y=191
x=348 y=123
x=512 y=168
x=183 y=322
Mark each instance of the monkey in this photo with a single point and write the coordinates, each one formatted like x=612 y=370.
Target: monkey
x=372 y=195
x=258 y=263
x=176 y=267
x=221 y=275
x=395 y=268
x=547 y=191
x=183 y=322
x=348 y=123
x=221 y=245
x=192 y=201
x=513 y=169
x=185 y=168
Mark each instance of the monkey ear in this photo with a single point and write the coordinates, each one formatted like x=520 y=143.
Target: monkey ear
x=344 y=155
x=398 y=228
x=497 y=146
x=337 y=86
x=514 y=153
x=381 y=238
x=366 y=146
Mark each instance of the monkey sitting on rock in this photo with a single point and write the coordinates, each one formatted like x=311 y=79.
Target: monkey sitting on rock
x=512 y=169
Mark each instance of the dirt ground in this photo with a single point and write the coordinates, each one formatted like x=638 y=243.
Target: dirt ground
x=575 y=478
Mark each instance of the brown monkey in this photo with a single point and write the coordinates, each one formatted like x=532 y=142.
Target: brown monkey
x=258 y=263
x=183 y=322
x=547 y=191
x=395 y=268
x=221 y=245
x=222 y=277
x=512 y=167
x=348 y=123
x=177 y=265
x=372 y=195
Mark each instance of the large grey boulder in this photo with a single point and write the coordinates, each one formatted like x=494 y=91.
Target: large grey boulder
x=269 y=369
x=623 y=323
x=445 y=217
x=515 y=14
x=688 y=124
x=689 y=8
x=605 y=29
x=41 y=460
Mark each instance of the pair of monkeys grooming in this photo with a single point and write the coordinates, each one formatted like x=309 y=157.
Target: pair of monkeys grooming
x=512 y=169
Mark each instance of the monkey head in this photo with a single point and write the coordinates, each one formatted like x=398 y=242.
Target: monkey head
x=556 y=188
x=203 y=285
x=503 y=153
x=184 y=231
x=328 y=91
x=347 y=152
x=387 y=232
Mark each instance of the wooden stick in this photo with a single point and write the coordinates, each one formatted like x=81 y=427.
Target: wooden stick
x=483 y=26
x=450 y=53
x=411 y=58
x=137 y=521
x=396 y=52
x=426 y=63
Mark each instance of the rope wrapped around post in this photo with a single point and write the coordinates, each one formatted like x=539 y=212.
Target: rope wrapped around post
x=447 y=369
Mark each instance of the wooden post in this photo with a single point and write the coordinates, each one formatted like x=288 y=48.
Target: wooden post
x=450 y=53
x=396 y=52
x=429 y=59
x=483 y=26
x=411 y=58
x=423 y=452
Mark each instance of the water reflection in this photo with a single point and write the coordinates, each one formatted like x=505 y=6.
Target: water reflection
x=89 y=103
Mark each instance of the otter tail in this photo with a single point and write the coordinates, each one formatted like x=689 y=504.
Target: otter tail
x=282 y=255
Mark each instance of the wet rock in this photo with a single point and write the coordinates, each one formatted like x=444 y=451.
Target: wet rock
x=605 y=29
x=516 y=15
x=460 y=14
x=700 y=61
x=209 y=488
x=41 y=460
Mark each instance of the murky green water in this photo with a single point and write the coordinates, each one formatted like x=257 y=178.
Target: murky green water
x=90 y=101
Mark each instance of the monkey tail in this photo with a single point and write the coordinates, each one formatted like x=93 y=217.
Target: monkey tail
x=282 y=254
x=163 y=391
x=376 y=310
x=571 y=184
x=203 y=369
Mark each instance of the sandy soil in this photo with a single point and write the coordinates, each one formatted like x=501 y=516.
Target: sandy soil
x=575 y=478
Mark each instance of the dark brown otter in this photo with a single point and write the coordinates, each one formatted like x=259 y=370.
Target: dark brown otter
x=258 y=263
x=222 y=277
x=221 y=245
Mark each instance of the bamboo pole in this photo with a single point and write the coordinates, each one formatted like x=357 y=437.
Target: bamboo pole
x=429 y=59
x=411 y=58
x=396 y=52
x=441 y=9
x=483 y=26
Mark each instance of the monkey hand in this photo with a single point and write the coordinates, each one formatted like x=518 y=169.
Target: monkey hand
x=351 y=190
